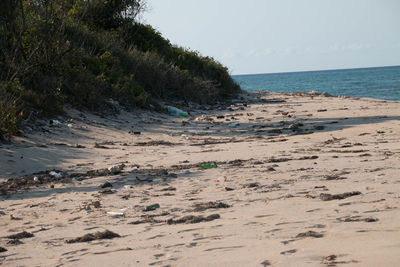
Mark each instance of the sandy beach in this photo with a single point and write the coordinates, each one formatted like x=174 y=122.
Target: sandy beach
x=271 y=180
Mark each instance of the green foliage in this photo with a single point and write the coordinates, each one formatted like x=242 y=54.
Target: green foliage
x=85 y=52
x=9 y=114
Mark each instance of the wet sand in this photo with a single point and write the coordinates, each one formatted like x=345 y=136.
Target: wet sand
x=292 y=180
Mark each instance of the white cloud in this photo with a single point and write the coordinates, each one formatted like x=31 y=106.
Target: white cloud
x=289 y=51
x=252 y=52
x=267 y=51
x=229 y=54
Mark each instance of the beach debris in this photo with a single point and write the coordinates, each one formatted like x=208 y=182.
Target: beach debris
x=96 y=236
x=2 y=249
x=107 y=191
x=266 y=263
x=176 y=112
x=328 y=197
x=36 y=179
x=170 y=188
x=128 y=186
x=316 y=93
x=115 y=214
x=310 y=234
x=137 y=133
x=251 y=185
x=20 y=235
x=291 y=251
x=233 y=124
x=229 y=189
x=55 y=122
x=184 y=123
x=152 y=207
x=331 y=177
x=194 y=219
x=207 y=166
x=96 y=204
x=357 y=219
x=319 y=127
x=147 y=178
x=221 y=179
x=14 y=242
x=15 y=218
x=210 y=205
x=55 y=174
x=106 y=184
x=116 y=169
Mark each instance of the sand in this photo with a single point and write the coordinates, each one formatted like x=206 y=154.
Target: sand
x=299 y=180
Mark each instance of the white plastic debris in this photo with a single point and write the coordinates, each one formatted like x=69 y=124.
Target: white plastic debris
x=115 y=214
x=36 y=179
x=55 y=122
x=221 y=179
x=128 y=186
x=115 y=169
x=127 y=208
x=55 y=174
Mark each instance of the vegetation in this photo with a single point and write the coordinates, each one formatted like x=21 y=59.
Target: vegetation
x=54 y=52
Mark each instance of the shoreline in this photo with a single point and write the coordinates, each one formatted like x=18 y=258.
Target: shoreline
x=275 y=179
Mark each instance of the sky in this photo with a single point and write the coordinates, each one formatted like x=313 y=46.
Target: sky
x=268 y=36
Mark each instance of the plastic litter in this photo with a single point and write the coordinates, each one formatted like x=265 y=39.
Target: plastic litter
x=115 y=169
x=128 y=208
x=233 y=124
x=55 y=174
x=207 y=166
x=36 y=179
x=152 y=207
x=176 y=111
x=221 y=179
x=55 y=122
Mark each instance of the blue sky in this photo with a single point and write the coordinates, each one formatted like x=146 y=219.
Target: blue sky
x=265 y=36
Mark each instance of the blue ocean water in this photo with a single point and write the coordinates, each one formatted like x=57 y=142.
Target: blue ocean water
x=380 y=82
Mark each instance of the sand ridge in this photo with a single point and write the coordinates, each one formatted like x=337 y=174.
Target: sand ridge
x=299 y=180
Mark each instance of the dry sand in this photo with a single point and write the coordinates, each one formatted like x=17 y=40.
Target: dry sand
x=310 y=181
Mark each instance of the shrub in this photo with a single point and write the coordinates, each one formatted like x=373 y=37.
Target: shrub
x=85 y=52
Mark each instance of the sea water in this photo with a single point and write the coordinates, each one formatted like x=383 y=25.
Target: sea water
x=380 y=82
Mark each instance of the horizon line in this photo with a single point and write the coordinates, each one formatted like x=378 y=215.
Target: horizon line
x=299 y=71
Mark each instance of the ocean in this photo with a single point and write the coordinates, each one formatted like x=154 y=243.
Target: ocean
x=379 y=82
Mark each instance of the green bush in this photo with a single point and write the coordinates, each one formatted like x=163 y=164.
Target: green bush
x=85 y=52
x=9 y=115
